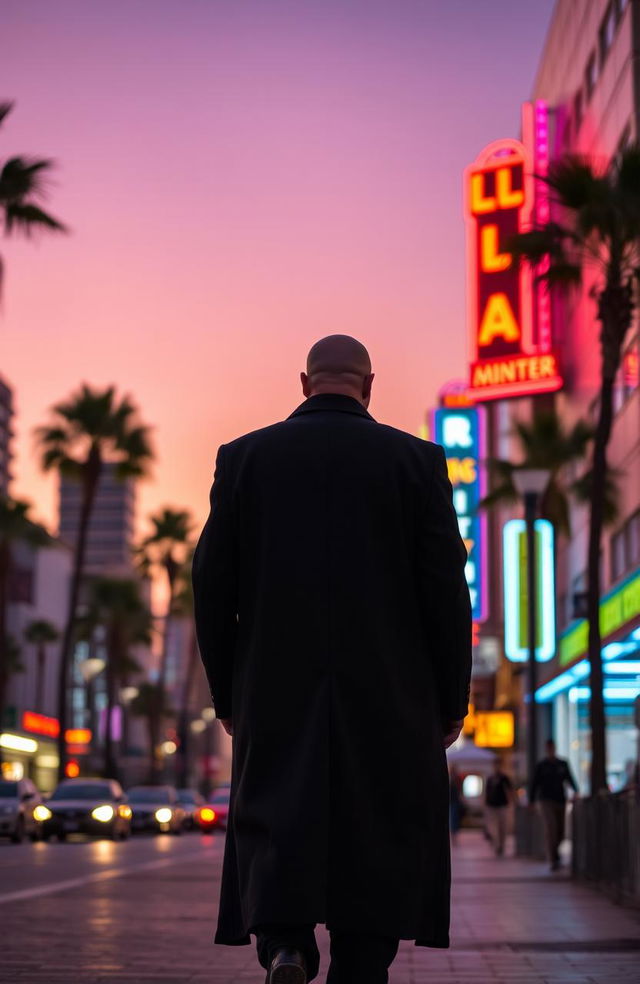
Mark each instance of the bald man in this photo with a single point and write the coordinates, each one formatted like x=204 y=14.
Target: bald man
x=334 y=624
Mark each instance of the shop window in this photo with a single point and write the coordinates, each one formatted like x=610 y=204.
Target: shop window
x=618 y=555
x=632 y=530
x=628 y=377
x=591 y=76
x=607 y=32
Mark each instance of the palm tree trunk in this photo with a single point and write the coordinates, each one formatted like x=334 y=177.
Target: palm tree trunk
x=596 y=705
x=40 y=658
x=110 y=765
x=91 y=481
x=4 y=659
x=183 y=727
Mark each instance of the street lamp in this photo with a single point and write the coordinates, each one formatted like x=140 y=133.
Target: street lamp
x=531 y=484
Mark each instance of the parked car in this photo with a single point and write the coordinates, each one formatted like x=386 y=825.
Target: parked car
x=97 y=807
x=190 y=800
x=213 y=815
x=156 y=808
x=19 y=802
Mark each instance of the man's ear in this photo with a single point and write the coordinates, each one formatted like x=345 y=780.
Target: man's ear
x=366 y=387
x=304 y=379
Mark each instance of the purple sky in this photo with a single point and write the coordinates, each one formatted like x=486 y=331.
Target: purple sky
x=242 y=177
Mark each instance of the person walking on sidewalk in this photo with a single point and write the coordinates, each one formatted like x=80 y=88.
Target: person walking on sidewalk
x=549 y=788
x=498 y=795
x=334 y=624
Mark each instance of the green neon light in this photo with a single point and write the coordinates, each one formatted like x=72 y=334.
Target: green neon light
x=616 y=609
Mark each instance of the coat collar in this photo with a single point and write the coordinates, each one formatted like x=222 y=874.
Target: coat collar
x=332 y=402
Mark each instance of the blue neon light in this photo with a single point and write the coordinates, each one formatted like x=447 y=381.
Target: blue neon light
x=515 y=591
x=460 y=431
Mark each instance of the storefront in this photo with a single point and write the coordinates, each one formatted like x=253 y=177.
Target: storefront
x=566 y=687
x=31 y=750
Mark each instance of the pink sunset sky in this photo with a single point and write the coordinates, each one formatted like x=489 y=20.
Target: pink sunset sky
x=242 y=177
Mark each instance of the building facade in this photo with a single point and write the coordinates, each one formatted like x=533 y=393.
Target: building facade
x=532 y=350
x=110 y=535
x=6 y=434
x=589 y=77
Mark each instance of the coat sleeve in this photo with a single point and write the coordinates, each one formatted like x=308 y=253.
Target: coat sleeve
x=445 y=594
x=215 y=591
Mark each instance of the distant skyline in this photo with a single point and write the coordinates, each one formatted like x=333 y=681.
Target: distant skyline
x=241 y=178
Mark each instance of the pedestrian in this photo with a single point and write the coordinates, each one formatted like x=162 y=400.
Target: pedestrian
x=498 y=794
x=456 y=803
x=550 y=779
x=334 y=624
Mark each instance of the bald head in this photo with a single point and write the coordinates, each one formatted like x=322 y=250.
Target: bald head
x=338 y=364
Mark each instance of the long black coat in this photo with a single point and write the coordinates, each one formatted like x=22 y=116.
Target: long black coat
x=333 y=620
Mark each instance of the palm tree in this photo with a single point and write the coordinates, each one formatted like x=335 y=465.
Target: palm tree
x=184 y=607
x=15 y=527
x=40 y=633
x=22 y=187
x=151 y=704
x=89 y=429
x=165 y=547
x=544 y=443
x=599 y=231
x=115 y=605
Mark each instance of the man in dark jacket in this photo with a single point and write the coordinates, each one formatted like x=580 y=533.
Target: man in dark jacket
x=550 y=780
x=334 y=624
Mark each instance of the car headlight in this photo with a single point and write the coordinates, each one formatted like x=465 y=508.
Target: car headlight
x=42 y=813
x=124 y=811
x=164 y=814
x=103 y=813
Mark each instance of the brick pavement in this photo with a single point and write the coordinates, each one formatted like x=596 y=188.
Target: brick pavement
x=513 y=923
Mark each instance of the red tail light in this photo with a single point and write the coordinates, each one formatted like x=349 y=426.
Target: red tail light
x=207 y=814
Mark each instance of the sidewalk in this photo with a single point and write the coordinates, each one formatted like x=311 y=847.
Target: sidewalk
x=513 y=923
x=153 y=922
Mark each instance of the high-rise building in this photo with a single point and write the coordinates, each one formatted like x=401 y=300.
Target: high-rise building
x=6 y=433
x=110 y=535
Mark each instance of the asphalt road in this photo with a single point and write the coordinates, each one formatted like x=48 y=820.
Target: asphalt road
x=142 y=911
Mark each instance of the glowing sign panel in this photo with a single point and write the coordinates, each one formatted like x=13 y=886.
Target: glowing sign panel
x=40 y=724
x=460 y=430
x=510 y=338
x=494 y=729
x=516 y=603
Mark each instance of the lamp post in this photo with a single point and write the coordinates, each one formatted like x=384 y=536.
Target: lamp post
x=531 y=484
x=89 y=670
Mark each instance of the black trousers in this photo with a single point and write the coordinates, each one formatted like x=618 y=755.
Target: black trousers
x=356 y=958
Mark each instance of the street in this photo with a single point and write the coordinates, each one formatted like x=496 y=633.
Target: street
x=92 y=912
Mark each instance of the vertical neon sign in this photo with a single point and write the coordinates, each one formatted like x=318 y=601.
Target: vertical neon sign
x=509 y=312
x=516 y=604
x=460 y=430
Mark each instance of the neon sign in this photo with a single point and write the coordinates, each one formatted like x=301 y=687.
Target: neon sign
x=509 y=316
x=516 y=596
x=40 y=724
x=460 y=430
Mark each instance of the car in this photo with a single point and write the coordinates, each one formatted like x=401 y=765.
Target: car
x=97 y=807
x=156 y=808
x=213 y=815
x=19 y=802
x=190 y=800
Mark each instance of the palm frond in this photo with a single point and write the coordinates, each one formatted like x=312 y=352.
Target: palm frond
x=22 y=177
x=5 y=109
x=27 y=218
x=582 y=489
x=576 y=182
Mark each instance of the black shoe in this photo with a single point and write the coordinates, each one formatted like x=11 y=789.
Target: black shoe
x=287 y=967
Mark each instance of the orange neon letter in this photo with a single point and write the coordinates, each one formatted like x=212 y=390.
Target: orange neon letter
x=507 y=197
x=479 y=204
x=492 y=261
x=498 y=321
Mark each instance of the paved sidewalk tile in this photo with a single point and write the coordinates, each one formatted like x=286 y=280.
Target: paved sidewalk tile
x=513 y=923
